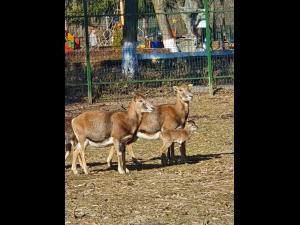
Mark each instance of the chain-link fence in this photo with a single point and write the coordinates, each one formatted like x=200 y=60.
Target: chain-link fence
x=173 y=44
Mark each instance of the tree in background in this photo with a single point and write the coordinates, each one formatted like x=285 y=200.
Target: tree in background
x=129 y=56
x=163 y=23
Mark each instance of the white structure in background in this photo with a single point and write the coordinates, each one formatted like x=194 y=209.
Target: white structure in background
x=202 y=24
x=171 y=44
x=106 y=28
x=93 y=39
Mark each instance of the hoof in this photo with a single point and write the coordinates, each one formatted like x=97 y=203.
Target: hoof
x=121 y=171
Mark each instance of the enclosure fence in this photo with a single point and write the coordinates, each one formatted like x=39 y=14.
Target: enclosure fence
x=175 y=42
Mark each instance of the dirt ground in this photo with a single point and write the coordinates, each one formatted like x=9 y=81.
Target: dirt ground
x=199 y=192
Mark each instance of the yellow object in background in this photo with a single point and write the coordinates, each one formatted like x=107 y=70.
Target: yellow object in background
x=122 y=11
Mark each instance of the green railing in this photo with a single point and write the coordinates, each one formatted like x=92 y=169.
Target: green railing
x=96 y=74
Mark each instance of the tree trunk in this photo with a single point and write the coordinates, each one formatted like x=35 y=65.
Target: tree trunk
x=164 y=26
x=145 y=25
x=129 y=56
x=214 y=22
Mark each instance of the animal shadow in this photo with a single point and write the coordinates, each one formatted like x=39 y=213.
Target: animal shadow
x=196 y=158
x=90 y=165
x=202 y=157
x=193 y=159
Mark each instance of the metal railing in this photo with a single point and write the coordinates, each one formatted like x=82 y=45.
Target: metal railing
x=206 y=57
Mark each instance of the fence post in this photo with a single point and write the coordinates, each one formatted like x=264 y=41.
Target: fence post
x=208 y=48
x=87 y=52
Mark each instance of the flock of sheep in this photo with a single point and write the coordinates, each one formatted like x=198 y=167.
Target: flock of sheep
x=142 y=120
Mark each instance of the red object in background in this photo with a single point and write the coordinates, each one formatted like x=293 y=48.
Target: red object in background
x=67 y=48
x=77 y=43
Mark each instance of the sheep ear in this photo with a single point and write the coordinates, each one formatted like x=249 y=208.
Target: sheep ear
x=190 y=86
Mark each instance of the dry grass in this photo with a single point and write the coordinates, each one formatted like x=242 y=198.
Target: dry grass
x=199 y=192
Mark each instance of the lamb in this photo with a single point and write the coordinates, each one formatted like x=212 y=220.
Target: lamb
x=179 y=135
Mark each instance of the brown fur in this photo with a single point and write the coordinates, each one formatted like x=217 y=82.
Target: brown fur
x=70 y=139
x=165 y=117
x=98 y=127
x=176 y=136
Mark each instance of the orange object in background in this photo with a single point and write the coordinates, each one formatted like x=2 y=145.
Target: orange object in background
x=173 y=33
x=147 y=43
x=70 y=37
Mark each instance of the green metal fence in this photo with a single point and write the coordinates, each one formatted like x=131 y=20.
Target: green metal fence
x=205 y=57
